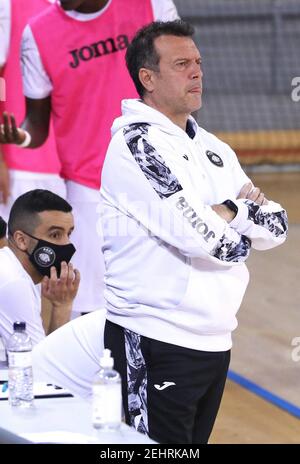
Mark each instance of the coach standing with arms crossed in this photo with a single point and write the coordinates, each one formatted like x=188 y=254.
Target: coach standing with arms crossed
x=186 y=218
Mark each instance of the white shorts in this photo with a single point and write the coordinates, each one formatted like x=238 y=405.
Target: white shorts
x=23 y=181
x=70 y=355
x=87 y=239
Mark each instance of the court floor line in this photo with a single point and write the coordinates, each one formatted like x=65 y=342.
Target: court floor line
x=265 y=394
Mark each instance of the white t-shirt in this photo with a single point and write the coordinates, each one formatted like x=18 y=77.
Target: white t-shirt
x=70 y=355
x=20 y=298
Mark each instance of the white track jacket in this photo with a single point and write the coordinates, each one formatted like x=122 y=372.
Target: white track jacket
x=175 y=270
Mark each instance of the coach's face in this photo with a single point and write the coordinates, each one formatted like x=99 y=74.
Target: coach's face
x=177 y=87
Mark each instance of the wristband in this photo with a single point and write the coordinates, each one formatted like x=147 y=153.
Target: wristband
x=26 y=141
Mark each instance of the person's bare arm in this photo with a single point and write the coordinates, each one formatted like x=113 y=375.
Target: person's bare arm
x=4 y=179
x=36 y=123
x=61 y=292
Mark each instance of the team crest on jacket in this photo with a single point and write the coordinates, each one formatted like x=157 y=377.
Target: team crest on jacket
x=214 y=158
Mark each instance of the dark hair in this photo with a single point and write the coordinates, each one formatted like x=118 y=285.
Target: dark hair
x=24 y=212
x=3 y=226
x=141 y=52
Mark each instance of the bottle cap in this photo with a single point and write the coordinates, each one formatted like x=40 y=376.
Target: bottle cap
x=107 y=360
x=19 y=326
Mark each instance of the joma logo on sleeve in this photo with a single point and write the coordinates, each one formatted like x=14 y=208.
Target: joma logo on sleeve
x=196 y=222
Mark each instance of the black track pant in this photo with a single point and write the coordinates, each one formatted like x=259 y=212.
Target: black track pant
x=169 y=392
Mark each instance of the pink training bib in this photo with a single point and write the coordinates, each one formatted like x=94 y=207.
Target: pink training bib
x=85 y=61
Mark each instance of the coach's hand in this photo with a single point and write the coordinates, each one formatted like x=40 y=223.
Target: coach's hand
x=249 y=192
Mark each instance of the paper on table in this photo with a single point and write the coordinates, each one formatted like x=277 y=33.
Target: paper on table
x=40 y=389
x=60 y=436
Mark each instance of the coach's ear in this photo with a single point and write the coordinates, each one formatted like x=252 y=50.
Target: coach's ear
x=147 y=78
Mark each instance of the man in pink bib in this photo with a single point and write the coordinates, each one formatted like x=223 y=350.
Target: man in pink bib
x=74 y=69
x=27 y=169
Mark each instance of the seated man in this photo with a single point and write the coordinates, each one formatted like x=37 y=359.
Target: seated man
x=38 y=251
x=3 y=240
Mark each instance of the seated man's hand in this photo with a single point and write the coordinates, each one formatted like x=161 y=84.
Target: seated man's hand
x=252 y=193
x=61 y=290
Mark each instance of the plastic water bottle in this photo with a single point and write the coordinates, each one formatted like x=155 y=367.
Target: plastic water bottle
x=3 y=358
x=107 y=395
x=20 y=377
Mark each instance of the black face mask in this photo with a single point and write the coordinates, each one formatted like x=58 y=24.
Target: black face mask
x=47 y=254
